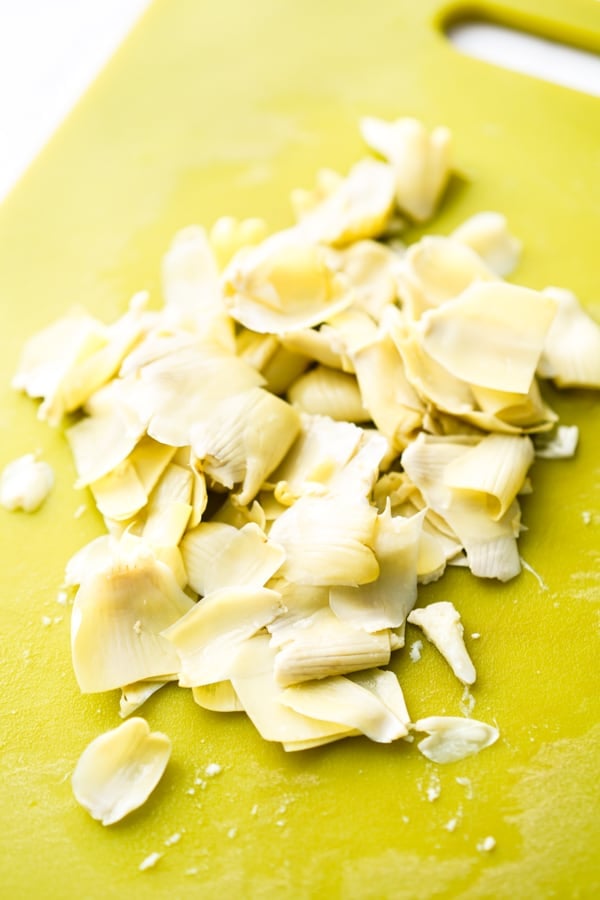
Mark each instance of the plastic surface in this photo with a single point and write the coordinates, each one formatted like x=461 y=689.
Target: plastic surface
x=223 y=108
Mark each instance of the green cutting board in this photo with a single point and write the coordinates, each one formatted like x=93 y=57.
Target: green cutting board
x=215 y=108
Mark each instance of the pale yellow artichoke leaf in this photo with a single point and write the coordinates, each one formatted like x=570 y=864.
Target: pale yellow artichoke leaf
x=571 y=354
x=326 y=182
x=284 y=284
x=169 y=507
x=188 y=386
x=441 y=624
x=358 y=476
x=491 y=335
x=358 y=207
x=322 y=448
x=207 y=640
x=490 y=544
x=328 y=541
x=260 y=696
x=342 y=700
x=385 y=603
x=283 y=368
x=300 y=603
x=245 y=440
x=435 y=270
x=386 y=687
x=192 y=288
x=324 y=346
x=329 y=392
x=228 y=235
x=233 y=513
x=117 y=771
x=421 y=160
x=100 y=442
x=256 y=349
x=371 y=270
x=135 y=695
x=217 y=555
x=118 y=615
x=325 y=645
x=386 y=392
x=120 y=494
x=496 y=467
x=487 y=234
x=218 y=697
x=452 y=738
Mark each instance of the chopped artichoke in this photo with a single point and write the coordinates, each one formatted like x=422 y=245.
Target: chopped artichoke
x=25 y=483
x=118 y=771
x=327 y=392
x=385 y=603
x=217 y=555
x=328 y=540
x=324 y=645
x=452 y=738
x=488 y=235
x=244 y=440
x=118 y=615
x=421 y=161
x=571 y=354
x=349 y=703
x=441 y=625
x=281 y=286
x=208 y=638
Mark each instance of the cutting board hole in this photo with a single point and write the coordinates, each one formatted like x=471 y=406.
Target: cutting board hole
x=524 y=51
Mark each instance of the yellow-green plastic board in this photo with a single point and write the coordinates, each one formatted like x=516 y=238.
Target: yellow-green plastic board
x=214 y=108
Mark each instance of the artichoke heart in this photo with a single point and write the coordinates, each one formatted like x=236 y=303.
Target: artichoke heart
x=117 y=771
x=244 y=440
x=441 y=625
x=118 y=615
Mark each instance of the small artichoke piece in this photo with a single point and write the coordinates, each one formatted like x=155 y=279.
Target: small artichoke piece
x=440 y=623
x=328 y=540
x=358 y=207
x=25 y=483
x=421 y=161
x=229 y=235
x=324 y=645
x=244 y=440
x=135 y=695
x=495 y=467
x=218 y=697
x=490 y=543
x=192 y=288
x=327 y=392
x=217 y=555
x=386 y=392
x=571 y=355
x=261 y=696
x=118 y=614
x=208 y=638
x=349 y=703
x=491 y=335
x=385 y=603
x=487 y=234
x=371 y=269
x=560 y=444
x=438 y=269
x=284 y=284
x=188 y=383
x=452 y=738
x=66 y=362
x=118 y=771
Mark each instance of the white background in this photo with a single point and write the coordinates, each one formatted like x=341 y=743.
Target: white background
x=50 y=51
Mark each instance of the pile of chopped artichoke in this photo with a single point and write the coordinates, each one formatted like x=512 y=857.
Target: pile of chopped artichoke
x=314 y=423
